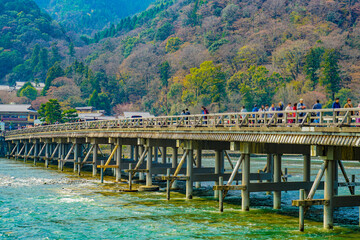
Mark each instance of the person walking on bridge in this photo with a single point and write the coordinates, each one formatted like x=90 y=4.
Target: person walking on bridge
x=289 y=114
x=349 y=105
x=335 y=106
x=317 y=105
x=301 y=106
x=205 y=112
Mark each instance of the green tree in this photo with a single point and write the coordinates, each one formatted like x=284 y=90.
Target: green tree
x=173 y=44
x=164 y=31
x=70 y=115
x=50 y=112
x=54 y=72
x=72 y=49
x=204 y=85
x=312 y=64
x=94 y=99
x=330 y=78
x=164 y=73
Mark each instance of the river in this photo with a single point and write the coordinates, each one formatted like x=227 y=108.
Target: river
x=38 y=203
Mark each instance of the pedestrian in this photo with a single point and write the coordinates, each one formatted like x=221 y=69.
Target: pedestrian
x=262 y=109
x=289 y=114
x=255 y=109
x=243 y=110
x=183 y=112
x=301 y=106
x=336 y=105
x=204 y=111
x=187 y=112
x=271 y=109
x=349 y=105
x=358 y=119
x=280 y=108
x=317 y=105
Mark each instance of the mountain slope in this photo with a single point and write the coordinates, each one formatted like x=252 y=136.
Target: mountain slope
x=22 y=26
x=86 y=16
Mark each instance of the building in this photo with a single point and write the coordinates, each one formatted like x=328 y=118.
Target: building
x=92 y=114
x=37 y=86
x=16 y=116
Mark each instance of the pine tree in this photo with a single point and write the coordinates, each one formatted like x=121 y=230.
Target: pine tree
x=165 y=73
x=312 y=64
x=330 y=72
x=71 y=49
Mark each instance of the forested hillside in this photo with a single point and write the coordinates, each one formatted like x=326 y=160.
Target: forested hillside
x=87 y=16
x=219 y=53
x=26 y=32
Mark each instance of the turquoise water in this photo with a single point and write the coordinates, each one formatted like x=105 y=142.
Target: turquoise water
x=36 y=203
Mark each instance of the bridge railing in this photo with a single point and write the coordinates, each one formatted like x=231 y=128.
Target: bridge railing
x=341 y=117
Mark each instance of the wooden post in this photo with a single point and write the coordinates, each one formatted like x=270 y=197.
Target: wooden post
x=221 y=195
x=118 y=163
x=149 y=167
x=189 y=174
x=245 y=194
x=62 y=163
x=132 y=152
x=198 y=164
x=95 y=157
x=301 y=212
x=328 y=195
x=269 y=167
x=26 y=151
x=168 y=184
x=277 y=179
x=156 y=154
x=102 y=171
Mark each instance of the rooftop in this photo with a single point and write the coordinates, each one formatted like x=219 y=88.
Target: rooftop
x=16 y=108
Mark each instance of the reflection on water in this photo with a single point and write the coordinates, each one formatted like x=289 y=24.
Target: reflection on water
x=36 y=203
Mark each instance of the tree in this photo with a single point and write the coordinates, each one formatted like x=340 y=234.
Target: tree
x=312 y=64
x=50 y=112
x=230 y=13
x=71 y=49
x=94 y=99
x=330 y=78
x=204 y=85
x=70 y=115
x=54 y=72
x=164 y=31
x=164 y=73
x=173 y=44
x=29 y=92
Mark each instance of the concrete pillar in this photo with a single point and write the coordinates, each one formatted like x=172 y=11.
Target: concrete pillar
x=17 y=151
x=76 y=156
x=47 y=155
x=269 y=168
x=174 y=159
x=118 y=163
x=189 y=174
x=132 y=152
x=60 y=152
x=245 y=194
x=336 y=177
x=138 y=153
x=95 y=159
x=156 y=154
x=307 y=171
x=149 y=167
x=163 y=155
x=277 y=178
x=328 y=195
x=36 y=152
x=198 y=164
x=26 y=150
x=219 y=168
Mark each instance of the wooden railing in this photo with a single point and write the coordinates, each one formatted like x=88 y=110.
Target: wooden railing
x=342 y=117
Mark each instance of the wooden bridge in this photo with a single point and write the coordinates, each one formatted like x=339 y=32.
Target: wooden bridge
x=333 y=135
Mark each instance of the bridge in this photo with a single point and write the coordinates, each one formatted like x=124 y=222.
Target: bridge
x=332 y=135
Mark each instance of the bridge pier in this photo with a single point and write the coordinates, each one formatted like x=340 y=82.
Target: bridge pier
x=277 y=179
x=219 y=167
x=163 y=155
x=26 y=150
x=198 y=164
x=36 y=151
x=47 y=154
x=118 y=161
x=149 y=167
x=95 y=160
x=245 y=194
x=306 y=170
x=269 y=168
x=189 y=174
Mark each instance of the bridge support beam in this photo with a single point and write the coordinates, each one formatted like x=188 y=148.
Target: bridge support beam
x=269 y=167
x=95 y=159
x=277 y=179
x=149 y=167
x=174 y=163
x=219 y=167
x=163 y=155
x=47 y=155
x=245 y=194
x=189 y=174
x=307 y=170
x=198 y=164
x=36 y=151
x=118 y=162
